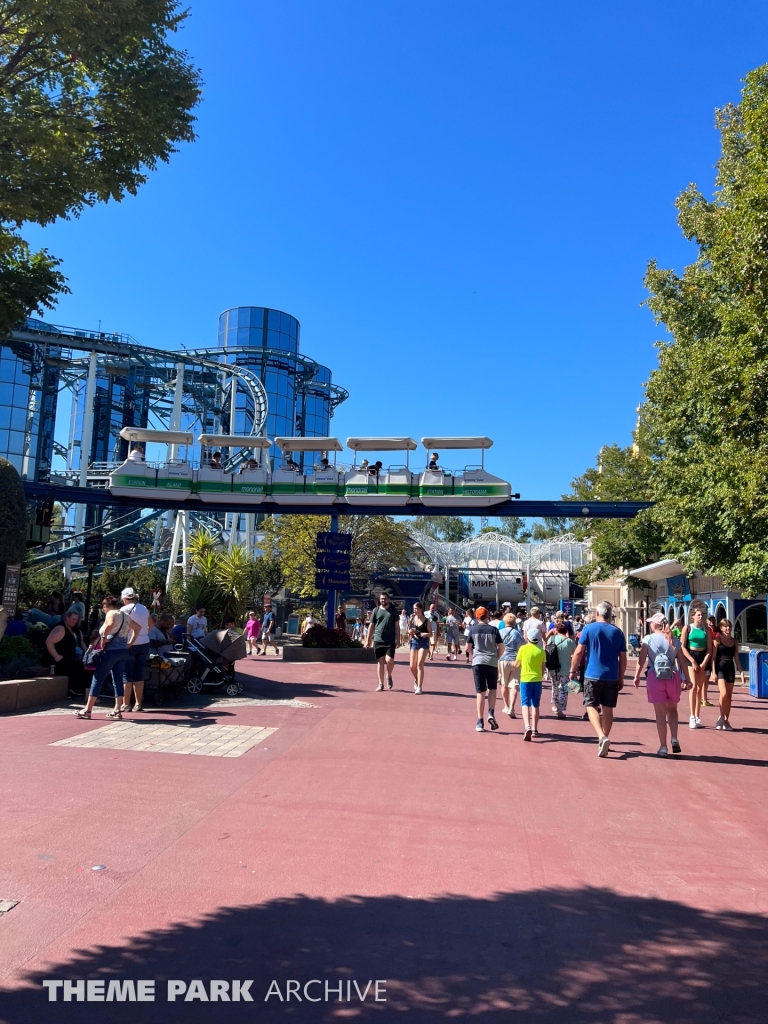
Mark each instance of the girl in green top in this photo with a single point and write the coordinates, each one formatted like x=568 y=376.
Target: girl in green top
x=696 y=646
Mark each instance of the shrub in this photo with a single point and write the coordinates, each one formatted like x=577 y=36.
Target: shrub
x=322 y=636
x=13 y=647
x=13 y=515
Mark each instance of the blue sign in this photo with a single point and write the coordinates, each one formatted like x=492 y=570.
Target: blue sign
x=679 y=587
x=332 y=581
x=92 y=549
x=334 y=541
x=338 y=561
x=566 y=607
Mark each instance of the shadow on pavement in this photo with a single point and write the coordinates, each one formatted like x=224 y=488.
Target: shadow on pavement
x=584 y=956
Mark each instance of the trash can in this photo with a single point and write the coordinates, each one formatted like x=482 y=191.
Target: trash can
x=758 y=674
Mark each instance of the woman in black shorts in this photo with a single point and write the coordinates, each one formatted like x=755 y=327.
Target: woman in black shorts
x=419 y=633
x=726 y=665
x=696 y=645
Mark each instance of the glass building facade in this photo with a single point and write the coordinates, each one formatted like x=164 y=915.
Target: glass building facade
x=267 y=342
x=29 y=381
x=121 y=399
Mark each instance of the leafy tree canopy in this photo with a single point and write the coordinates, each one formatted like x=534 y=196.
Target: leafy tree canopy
x=446 y=528
x=379 y=544
x=92 y=97
x=13 y=515
x=704 y=422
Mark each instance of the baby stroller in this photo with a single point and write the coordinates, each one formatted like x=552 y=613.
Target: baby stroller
x=213 y=661
x=634 y=645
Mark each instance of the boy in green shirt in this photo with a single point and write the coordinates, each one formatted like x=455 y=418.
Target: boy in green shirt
x=530 y=660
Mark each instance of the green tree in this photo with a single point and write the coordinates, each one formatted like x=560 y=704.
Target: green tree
x=704 y=422
x=446 y=528
x=92 y=97
x=379 y=544
x=620 y=474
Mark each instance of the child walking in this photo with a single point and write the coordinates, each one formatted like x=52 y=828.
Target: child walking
x=530 y=661
x=252 y=630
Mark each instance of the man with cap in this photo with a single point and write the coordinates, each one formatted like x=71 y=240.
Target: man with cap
x=485 y=643
x=138 y=649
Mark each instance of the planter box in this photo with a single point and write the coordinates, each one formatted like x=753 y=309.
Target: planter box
x=337 y=654
x=17 y=694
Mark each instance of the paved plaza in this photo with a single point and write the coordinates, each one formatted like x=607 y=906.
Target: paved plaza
x=338 y=834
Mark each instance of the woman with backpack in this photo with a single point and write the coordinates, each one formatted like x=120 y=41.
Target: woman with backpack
x=560 y=650
x=663 y=683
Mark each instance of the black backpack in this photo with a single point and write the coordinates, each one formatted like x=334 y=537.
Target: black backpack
x=553 y=658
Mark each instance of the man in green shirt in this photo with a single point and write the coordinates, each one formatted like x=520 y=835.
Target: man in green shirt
x=384 y=631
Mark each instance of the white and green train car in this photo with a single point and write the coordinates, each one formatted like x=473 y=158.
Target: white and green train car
x=365 y=485
x=170 y=479
x=249 y=484
x=474 y=486
x=320 y=485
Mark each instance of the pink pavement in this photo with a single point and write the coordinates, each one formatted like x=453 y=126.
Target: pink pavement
x=378 y=836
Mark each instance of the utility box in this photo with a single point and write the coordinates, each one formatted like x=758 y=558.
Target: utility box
x=758 y=674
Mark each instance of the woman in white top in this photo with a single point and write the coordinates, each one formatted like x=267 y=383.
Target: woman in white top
x=403 y=628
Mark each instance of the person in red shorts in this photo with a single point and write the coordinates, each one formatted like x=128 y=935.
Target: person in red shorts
x=664 y=681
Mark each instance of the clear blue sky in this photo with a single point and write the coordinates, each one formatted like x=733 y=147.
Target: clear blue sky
x=457 y=200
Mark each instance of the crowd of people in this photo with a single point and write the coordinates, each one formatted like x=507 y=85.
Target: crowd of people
x=583 y=655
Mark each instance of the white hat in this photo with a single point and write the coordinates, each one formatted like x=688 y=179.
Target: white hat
x=533 y=635
x=129 y=594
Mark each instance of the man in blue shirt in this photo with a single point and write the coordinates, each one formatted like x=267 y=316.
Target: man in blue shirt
x=606 y=661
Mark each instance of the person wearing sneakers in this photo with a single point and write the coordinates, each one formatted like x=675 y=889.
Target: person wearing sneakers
x=663 y=683
x=384 y=632
x=697 y=650
x=530 y=663
x=136 y=664
x=485 y=644
x=605 y=649
x=509 y=674
x=726 y=663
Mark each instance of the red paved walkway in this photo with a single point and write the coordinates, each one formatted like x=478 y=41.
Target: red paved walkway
x=376 y=835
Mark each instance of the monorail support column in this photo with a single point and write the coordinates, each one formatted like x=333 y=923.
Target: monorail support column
x=174 y=553
x=175 y=424
x=85 y=439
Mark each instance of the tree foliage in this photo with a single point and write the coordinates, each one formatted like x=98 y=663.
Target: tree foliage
x=13 y=516
x=446 y=528
x=92 y=97
x=379 y=544
x=704 y=422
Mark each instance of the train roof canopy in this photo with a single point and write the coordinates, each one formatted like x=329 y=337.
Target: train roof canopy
x=163 y=436
x=456 y=442
x=382 y=444
x=309 y=444
x=233 y=441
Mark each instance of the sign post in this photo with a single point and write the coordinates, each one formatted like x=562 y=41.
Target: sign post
x=91 y=557
x=10 y=576
x=332 y=564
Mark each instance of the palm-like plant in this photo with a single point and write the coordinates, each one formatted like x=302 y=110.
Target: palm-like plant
x=201 y=543
x=233 y=574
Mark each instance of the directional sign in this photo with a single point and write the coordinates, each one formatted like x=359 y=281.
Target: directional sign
x=336 y=561
x=334 y=541
x=92 y=549
x=331 y=581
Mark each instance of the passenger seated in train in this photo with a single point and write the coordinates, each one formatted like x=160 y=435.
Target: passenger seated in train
x=433 y=461
x=324 y=464
x=215 y=462
x=137 y=454
x=249 y=465
x=290 y=465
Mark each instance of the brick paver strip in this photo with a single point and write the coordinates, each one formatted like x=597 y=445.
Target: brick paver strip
x=171 y=738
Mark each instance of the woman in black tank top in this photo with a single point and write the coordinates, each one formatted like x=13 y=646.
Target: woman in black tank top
x=62 y=644
x=726 y=663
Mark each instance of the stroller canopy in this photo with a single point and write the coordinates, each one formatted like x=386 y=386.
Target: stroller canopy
x=226 y=643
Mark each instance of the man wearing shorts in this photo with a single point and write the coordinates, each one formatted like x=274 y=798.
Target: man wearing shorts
x=605 y=649
x=662 y=689
x=384 y=630
x=138 y=650
x=509 y=674
x=484 y=642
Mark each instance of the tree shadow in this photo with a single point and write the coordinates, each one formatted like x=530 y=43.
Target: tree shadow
x=274 y=689
x=552 y=956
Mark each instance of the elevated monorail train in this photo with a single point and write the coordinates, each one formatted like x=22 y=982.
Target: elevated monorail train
x=245 y=477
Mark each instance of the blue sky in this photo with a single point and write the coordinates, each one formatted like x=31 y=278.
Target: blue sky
x=457 y=200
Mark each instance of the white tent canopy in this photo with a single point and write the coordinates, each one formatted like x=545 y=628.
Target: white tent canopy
x=233 y=441
x=382 y=444
x=162 y=436
x=309 y=444
x=456 y=442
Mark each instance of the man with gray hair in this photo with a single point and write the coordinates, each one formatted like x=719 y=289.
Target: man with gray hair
x=605 y=649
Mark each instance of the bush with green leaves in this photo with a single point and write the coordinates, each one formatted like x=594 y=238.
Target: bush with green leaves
x=13 y=516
